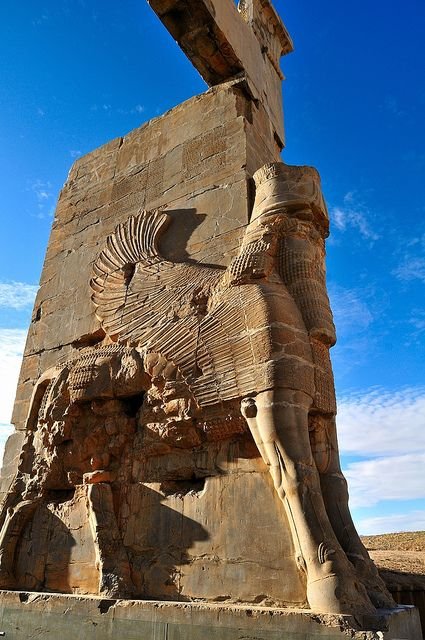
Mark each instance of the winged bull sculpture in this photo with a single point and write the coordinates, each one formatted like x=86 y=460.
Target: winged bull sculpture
x=257 y=333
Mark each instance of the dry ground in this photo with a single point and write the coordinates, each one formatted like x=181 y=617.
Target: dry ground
x=400 y=557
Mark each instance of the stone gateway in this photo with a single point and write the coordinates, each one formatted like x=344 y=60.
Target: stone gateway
x=176 y=410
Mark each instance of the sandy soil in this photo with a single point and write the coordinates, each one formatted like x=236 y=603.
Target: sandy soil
x=400 y=558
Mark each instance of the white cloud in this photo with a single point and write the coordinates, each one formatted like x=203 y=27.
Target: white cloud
x=17 y=295
x=411 y=521
x=412 y=265
x=353 y=214
x=138 y=108
x=412 y=268
x=381 y=422
x=41 y=19
x=75 y=153
x=381 y=479
x=41 y=189
x=353 y=317
x=44 y=195
x=351 y=313
x=417 y=320
x=12 y=342
x=386 y=429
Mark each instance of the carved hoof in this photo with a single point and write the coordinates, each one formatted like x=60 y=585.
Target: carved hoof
x=381 y=599
x=375 y=586
x=335 y=594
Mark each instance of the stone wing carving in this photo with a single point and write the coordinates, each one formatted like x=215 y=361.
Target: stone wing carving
x=145 y=300
x=188 y=313
x=136 y=291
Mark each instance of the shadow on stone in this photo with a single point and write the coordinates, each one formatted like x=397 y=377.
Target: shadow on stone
x=158 y=539
x=43 y=555
x=407 y=588
x=183 y=224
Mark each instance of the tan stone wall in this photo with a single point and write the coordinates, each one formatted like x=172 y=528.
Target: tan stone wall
x=196 y=161
x=204 y=542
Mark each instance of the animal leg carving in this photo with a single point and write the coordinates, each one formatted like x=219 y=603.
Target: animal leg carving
x=280 y=429
x=111 y=556
x=335 y=497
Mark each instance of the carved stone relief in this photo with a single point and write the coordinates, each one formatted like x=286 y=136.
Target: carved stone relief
x=195 y=360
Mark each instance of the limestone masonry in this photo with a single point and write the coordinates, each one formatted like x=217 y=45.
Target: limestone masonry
x=175 y=414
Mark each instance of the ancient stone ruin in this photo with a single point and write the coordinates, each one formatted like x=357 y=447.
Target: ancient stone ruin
x=175 y=413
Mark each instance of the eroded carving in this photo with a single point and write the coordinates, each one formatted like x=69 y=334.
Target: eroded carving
x=192 y=355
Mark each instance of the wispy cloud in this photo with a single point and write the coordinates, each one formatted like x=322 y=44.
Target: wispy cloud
x=12 y=342
x=351 y=312
x=379 y=422
x=353 y=318
x=394 y=523
x=41 y=19
x=17 y=295
x=44 y=195
x=42 y=190
x=412 y=268
x=75 y=153
x=391 y=478
x=412 y=264
x=353 y=214
x=386 y=431
x=417 y=320
x=108 y=108
x=101 y=107
x=5 y=432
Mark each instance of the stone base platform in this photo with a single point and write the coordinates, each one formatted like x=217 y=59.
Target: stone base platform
x=69 y=617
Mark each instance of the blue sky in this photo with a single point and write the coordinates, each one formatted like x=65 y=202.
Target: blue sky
x=77 y=73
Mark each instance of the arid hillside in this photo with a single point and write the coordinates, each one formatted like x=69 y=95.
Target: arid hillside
x=400 y=558
x=407 y=541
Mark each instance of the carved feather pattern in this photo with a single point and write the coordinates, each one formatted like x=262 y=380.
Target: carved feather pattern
x=136 y=291
x=177 y=309
x=216 y=333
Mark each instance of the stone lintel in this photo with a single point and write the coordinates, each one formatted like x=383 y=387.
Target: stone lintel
x=222 y=42
x=26 y=615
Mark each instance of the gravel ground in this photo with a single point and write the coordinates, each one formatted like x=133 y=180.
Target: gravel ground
x=400 y=558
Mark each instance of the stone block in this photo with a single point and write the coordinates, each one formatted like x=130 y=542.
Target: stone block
x=24 y=616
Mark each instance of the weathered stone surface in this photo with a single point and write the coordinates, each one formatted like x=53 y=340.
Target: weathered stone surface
x=222 y=41
x=28 y=615
x=195 y=162
x=176 y=399
x=186 y=352
x=11 y=460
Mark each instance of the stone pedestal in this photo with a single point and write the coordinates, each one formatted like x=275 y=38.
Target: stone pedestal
x=29 y=615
